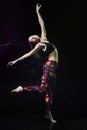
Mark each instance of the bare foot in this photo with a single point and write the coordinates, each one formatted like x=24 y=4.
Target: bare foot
x=18 y=89
x=51 y=119
x=49 y=116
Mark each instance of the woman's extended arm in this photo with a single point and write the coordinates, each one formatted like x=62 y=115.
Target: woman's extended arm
x=41 y=22
x=32 y=52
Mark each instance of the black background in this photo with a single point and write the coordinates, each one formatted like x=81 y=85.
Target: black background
x=63 y=20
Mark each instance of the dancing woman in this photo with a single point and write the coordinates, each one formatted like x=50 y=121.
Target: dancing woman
x=42 y=46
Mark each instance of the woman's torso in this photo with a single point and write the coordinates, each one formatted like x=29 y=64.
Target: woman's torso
x=50 y=51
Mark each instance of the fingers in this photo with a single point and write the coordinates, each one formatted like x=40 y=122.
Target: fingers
x=38 y=5
x=9 y=64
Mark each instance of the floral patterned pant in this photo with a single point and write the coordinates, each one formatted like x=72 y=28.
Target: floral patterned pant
x=47 y=83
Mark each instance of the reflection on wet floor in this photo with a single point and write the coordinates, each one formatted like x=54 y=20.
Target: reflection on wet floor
x=39 y=123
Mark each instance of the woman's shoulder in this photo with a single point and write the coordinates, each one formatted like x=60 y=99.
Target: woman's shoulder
x=44 y=40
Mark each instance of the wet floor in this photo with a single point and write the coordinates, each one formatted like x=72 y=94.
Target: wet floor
x=37 y=122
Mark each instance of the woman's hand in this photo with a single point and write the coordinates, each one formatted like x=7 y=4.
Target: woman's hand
x=11 y=63
x=38 y=6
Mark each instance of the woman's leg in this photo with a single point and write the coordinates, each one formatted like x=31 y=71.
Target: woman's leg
x=48 y=100
x=47 y=84
x=27 y=88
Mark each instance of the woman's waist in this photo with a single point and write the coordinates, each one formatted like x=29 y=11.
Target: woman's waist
x=53 y=59
x=51 y=63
